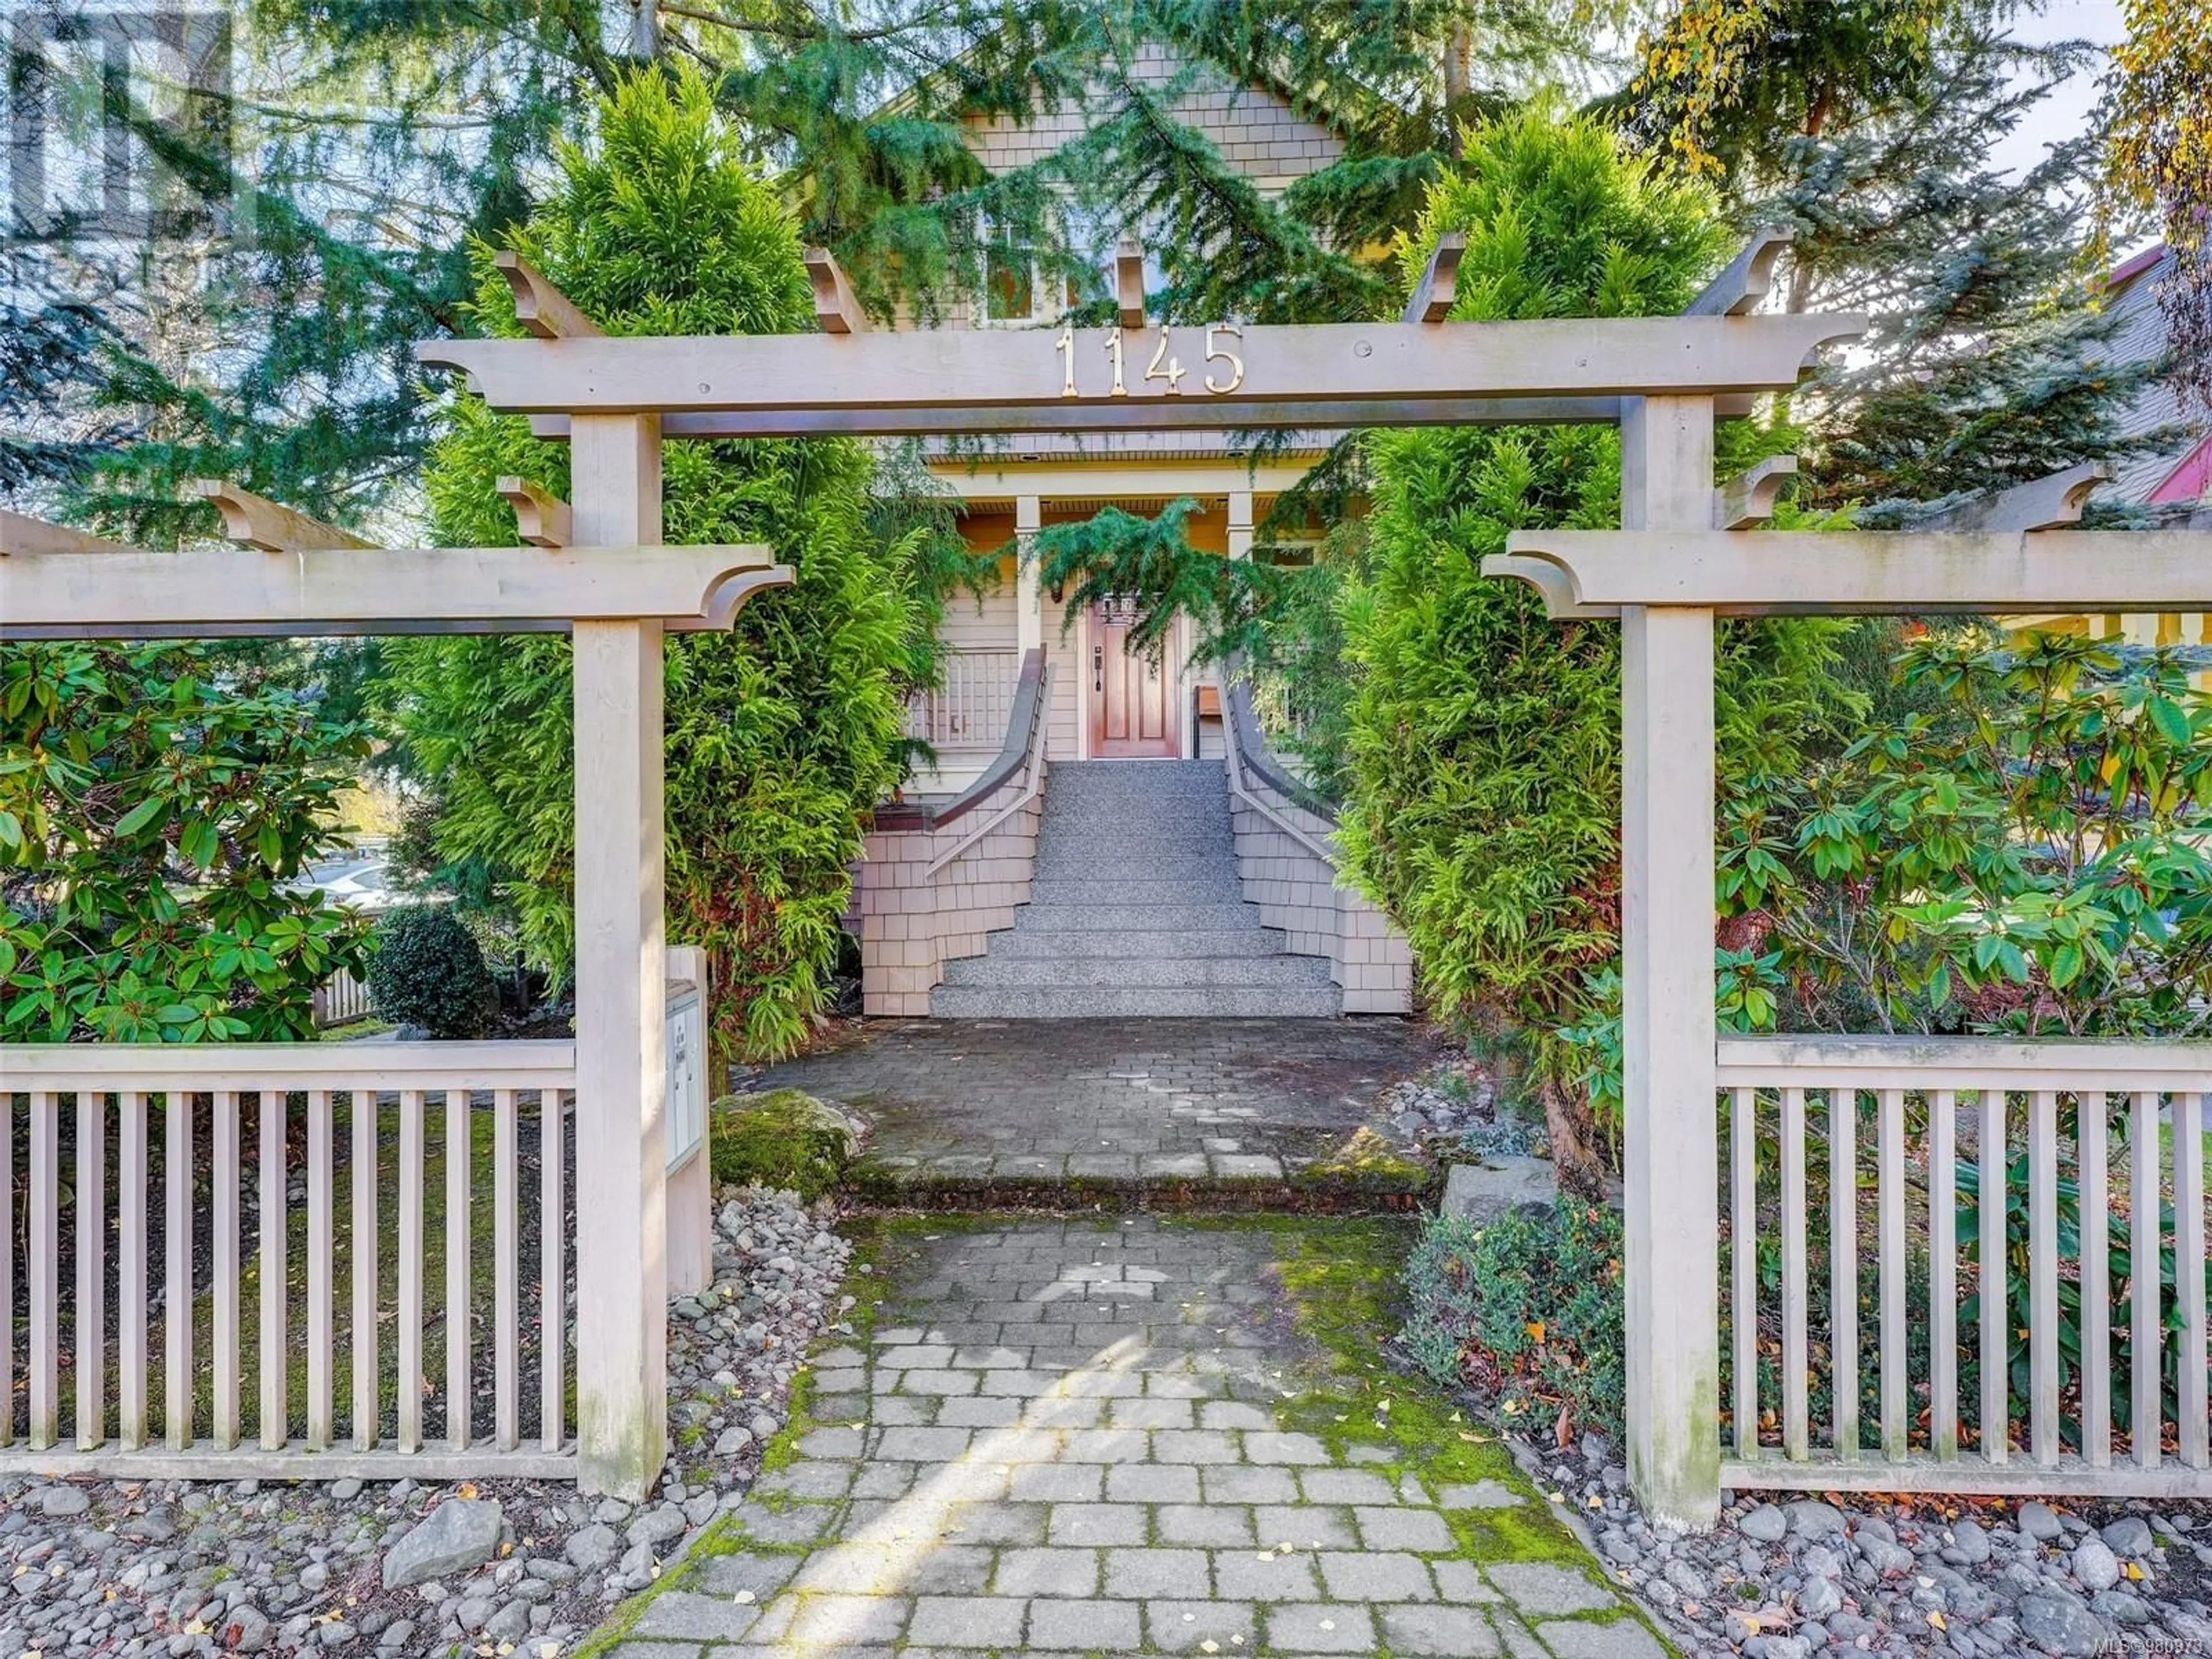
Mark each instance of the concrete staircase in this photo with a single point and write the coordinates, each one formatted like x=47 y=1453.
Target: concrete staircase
x=1136 y=909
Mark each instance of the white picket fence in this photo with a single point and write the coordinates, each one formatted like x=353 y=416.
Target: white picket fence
x=340 y=1000
x=136 y=1364
x=2125 y=1338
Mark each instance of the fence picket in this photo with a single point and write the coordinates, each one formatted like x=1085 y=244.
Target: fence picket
x=361 y=1122
x=79 y=1198
x=8 y=1221
x=1743 y=1263
x=410 y=1383
x=178 y=1387
x=1943 y=1273
x=2096 y=1371
x=2146 y=1351
x=131 y=1268
x=89 y=1317
x=46 y=1268
x=457 y=1379
x=1843 y=1265
x=275 y=1415
x=506 y=1382
x=1889 y=1133
x=1797 y=1434
x=2043 y=1276
x=228 y=1173
x=553 y=1266
x=2189 y=1269
x=1990 y=1157
x=320 y=1410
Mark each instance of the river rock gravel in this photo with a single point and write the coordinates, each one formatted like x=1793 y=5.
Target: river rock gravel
x=137 y=1568
x=1786 y=1577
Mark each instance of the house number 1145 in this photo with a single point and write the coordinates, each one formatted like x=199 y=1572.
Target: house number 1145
x=1163 y=367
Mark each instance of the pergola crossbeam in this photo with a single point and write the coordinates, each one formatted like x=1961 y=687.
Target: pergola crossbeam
x=1748 y=572
x=2044 y=503
x=1440 y=285
x=541 y=518
x=20 y=534
x=1129 y=282
x=233 y=592
x=1748 y=498
x=1739 y=289
x=1308 y=375
x=267 y=527
x=541 y=308
x=836 y=308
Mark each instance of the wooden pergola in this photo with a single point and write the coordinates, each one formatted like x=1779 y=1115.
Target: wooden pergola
x=1685 y=553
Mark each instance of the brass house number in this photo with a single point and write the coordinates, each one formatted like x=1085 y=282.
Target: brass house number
x=1165 y=365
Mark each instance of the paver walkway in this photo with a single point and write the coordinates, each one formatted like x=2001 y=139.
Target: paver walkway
x=1069 y=1436
x=1109 y=1099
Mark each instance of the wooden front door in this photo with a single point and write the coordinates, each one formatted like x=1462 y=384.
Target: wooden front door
x=1131 y=695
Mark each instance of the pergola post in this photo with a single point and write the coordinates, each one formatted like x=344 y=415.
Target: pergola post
x=1029 y=585
x=621 y=1265
x=1667 y=981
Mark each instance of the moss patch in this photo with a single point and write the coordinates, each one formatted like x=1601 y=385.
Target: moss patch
x=785 y=1139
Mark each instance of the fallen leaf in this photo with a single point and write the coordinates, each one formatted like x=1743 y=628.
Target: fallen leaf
x=1535 y=1329
x=1937 y=1620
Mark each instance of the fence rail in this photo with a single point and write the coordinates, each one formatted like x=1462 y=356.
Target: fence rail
x=273 y=1210
x=1988 y=1203
x=970 y=710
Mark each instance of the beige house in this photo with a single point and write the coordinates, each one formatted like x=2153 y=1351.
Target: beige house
x=1058 y=860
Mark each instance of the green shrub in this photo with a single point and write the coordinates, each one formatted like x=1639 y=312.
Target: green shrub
x=428 y=971
x=785 y=1139
x=1527 y=1307
x=157 y=805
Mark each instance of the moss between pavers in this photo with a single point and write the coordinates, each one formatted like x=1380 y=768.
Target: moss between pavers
x=1342 y=1287
x=873 y=1189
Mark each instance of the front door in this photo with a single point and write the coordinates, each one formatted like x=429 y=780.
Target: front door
x=1131 y=694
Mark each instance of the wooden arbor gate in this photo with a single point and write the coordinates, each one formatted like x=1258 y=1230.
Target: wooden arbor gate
x=1665 y=574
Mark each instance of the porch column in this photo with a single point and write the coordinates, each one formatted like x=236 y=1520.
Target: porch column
x=1667 y=980
x=1029 y=596
x=622 y=1263
x=1240 y=524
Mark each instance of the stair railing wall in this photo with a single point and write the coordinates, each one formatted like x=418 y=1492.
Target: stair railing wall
x=938 y=877
x=1287 y=859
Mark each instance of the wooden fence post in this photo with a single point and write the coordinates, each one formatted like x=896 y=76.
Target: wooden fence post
x=621 y=1274
x=1666 y=985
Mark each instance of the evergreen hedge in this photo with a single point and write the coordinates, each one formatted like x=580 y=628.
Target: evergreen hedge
x=781 y=735
x=1482 y=765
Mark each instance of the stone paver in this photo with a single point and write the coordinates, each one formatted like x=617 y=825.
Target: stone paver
x=1130 y=1491
x=1111 y=1101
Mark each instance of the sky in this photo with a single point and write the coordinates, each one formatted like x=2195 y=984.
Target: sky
x=2063 y=113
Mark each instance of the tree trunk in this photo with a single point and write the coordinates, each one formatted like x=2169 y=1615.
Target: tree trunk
x=1573 y=1134
x=1459 y=75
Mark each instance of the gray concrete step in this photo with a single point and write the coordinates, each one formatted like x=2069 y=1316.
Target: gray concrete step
x=1142 y=973
x=1214 y=1002
x=1215 y=886
x=1040 y=943
x=1136 y=909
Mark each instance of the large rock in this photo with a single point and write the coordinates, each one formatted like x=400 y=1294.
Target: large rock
x=459 y=1534
x=2059 y=1624
x=1481 y=1192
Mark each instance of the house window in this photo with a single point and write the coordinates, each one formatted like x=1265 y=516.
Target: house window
x=1009 y=276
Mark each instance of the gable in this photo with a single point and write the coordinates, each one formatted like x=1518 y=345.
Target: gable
x=1257 y=130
